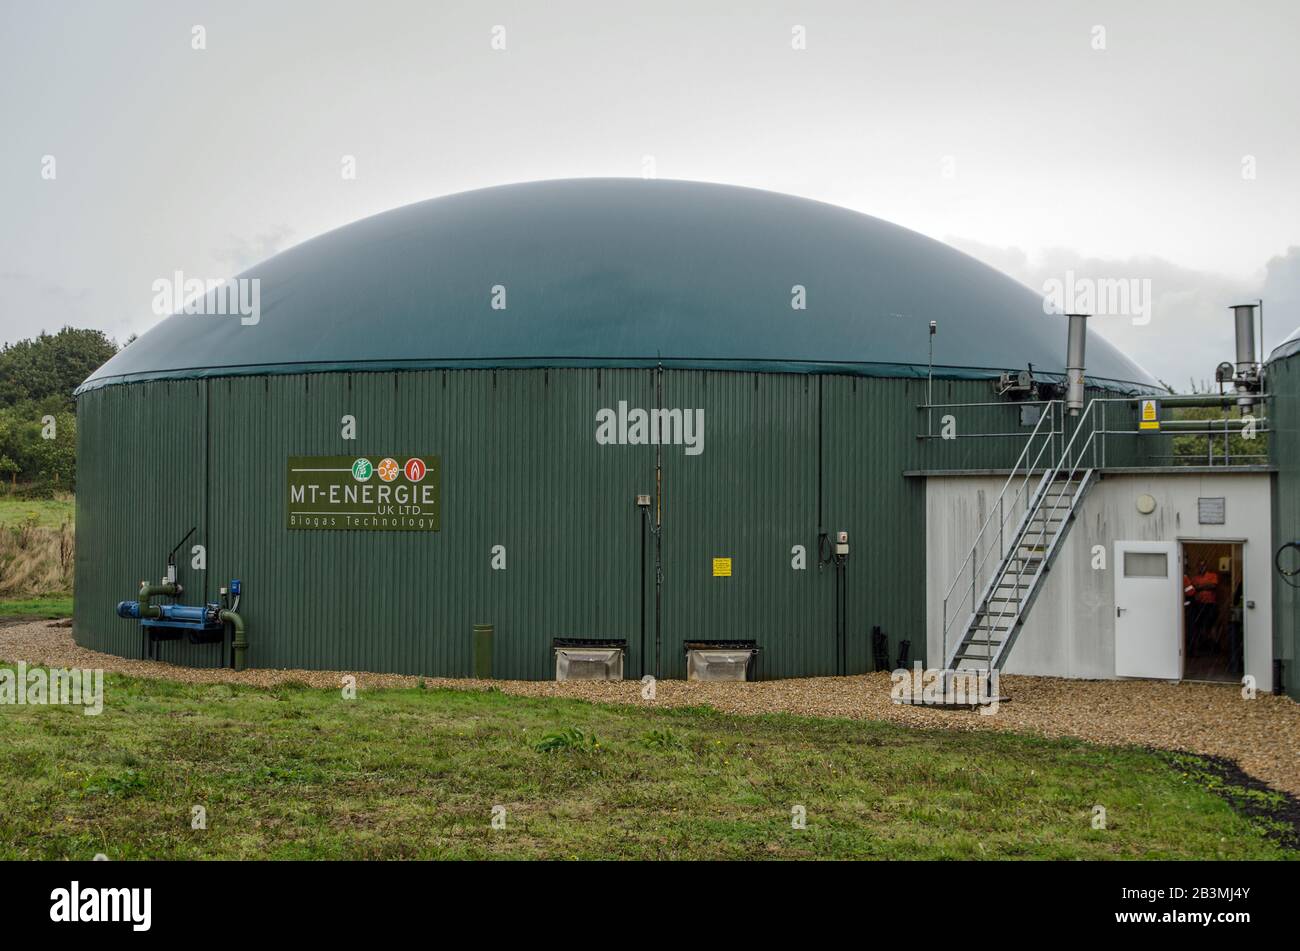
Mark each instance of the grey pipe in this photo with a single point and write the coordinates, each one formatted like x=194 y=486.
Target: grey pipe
x=1247 y=366
x=1075 y=345
x=171 y=589
x=239 y=643
x=1244 y=318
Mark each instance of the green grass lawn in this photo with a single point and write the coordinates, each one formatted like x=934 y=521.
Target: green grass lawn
x=47 y=513
x=43 y=606
x=299 y=773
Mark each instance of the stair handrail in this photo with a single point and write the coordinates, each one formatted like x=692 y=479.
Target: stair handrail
x=1091 y=441
x=994 y=659
x=1022 y=469
x=1049 y=478
x=995 y=580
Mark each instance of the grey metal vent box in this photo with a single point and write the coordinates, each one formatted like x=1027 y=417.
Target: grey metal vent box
x=717 y=663
x=588 y=663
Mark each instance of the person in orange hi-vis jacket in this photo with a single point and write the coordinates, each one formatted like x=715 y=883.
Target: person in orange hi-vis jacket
x=1206 y=611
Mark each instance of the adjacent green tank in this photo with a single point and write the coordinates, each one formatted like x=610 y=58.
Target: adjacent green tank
x=1282 y=380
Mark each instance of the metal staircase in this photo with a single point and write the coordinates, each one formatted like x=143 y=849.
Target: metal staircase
x=1014 y=548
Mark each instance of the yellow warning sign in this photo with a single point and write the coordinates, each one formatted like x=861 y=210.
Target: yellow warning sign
x=1149 y=416
x=722 y=567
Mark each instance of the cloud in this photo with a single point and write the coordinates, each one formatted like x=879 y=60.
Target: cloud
x=243 y=253
x=30 y=304
x=1191 y=330
x=1282 y=295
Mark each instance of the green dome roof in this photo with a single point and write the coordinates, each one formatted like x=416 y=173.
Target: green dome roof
x=621 y=272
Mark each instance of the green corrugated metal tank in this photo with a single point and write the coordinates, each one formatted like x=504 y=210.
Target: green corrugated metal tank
x=489 y=330
x=1282 y=380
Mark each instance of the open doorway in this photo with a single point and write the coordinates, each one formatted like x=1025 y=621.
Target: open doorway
x=1213 y=619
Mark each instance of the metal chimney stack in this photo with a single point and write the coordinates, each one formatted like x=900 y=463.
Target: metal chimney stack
x=1074 y=353
x=1247 y=366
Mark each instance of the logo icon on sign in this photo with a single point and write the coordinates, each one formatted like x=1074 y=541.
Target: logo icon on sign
x=388 y=470
x=361 y=470
x=415 y=470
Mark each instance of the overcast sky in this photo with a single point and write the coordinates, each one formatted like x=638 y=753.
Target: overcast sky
x=998 y=127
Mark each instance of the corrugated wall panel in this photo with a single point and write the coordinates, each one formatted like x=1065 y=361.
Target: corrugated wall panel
x=869 y=435
x=140 y=488
x=750 y=496
x=521 y=468
x=1284 y=449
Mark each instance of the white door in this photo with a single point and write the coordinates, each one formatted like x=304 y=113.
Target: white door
x=1148 y=604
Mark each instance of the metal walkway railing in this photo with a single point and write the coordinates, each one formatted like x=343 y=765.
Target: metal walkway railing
x=998 y=605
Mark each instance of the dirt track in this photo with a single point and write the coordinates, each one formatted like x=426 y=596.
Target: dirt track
x=1261 y=735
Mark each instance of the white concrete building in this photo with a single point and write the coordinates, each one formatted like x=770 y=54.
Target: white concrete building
x=1112 y=603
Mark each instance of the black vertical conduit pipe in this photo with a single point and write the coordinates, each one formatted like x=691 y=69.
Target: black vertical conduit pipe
x=207 y=483
x=826 y=553
x=841 y=615
x=644 y=516
x=839 y=638
x=822 y=538
x=659 y=528
x=844 y=620
x=821 y=526
x=824 y=550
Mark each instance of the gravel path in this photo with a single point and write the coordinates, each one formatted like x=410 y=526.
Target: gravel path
x=1261 y=735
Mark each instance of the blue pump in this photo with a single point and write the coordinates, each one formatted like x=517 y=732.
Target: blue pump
x=174 y=615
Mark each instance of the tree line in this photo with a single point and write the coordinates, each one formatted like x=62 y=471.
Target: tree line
x=38 y=423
